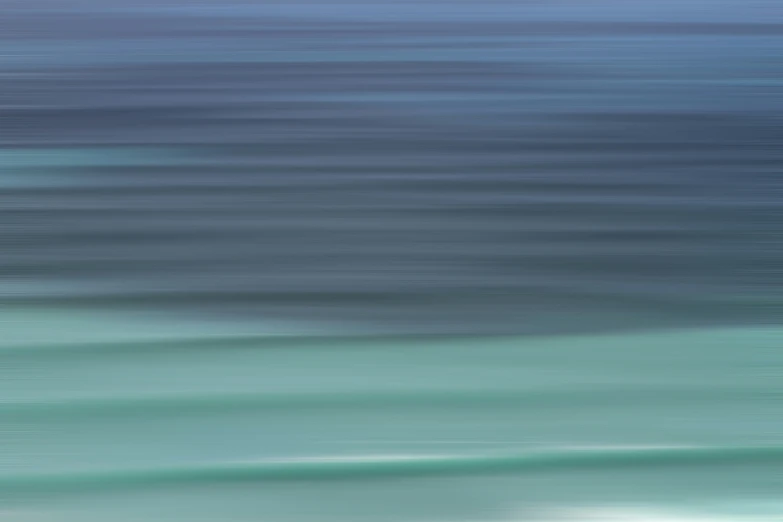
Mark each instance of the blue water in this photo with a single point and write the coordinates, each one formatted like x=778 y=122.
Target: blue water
x=420 y=262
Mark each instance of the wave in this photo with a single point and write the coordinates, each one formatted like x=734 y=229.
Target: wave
x=144 y=337
x=151 y=405
x=352 y=468
x=643 y=513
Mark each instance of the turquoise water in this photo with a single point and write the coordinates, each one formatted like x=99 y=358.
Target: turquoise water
x=136 y=418
x=431 y=262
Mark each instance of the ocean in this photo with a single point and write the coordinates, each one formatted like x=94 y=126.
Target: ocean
x=430 y=261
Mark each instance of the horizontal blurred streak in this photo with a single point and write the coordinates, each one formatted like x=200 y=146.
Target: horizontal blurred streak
x=389 y=466
x=257 y=253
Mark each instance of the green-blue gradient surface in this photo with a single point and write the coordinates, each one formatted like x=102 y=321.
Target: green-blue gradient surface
x=436 y=261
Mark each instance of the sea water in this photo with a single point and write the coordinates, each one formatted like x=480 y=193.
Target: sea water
x=421 y=261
